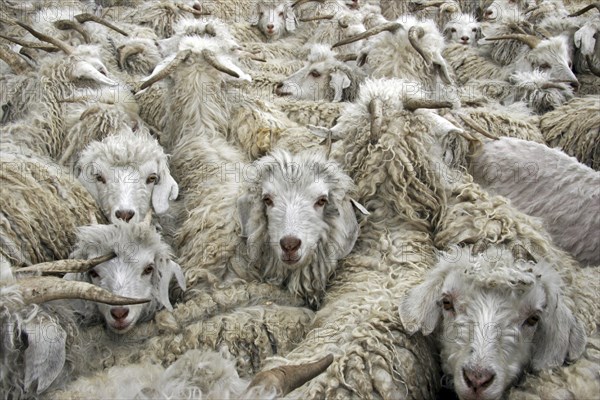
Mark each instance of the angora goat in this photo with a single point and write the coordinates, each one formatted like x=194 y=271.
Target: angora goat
x=493 y=316
x=124 y=173
x=143 y=268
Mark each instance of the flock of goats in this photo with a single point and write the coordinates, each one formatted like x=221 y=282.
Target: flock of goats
x=375 y=199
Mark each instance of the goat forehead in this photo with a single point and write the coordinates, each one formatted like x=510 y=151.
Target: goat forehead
x=308 y=188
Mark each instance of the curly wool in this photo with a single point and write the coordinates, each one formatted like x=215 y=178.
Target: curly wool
x=41 y=205
x=575 y=128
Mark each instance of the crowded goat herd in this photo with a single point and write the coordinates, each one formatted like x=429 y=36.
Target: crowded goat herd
x=310 y=199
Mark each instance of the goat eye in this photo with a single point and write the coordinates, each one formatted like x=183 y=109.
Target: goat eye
x=533 y=320
x=148 y=270
x=474 y=30
x=447 y=305
x=152 y=178
x=100 y=178
x=321 y=202
x=94 y=274
x=545 y=66
x=268 y=201
x=315 y=74
x=281 y=14
x=453 y=30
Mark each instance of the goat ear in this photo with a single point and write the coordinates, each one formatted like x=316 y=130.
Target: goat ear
x=419 y=310
x=85 y=70
x=168 y=270
x=339 y=81
x=45 y=356
x=560 y=336
x=244 y=206
x=290 y=19
x=166 y=189
x=255 y=17
x=348 y=227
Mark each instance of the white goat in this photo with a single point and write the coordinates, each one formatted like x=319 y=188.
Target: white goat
x=124 y=173
x=143 y=268
x=493 y=316
x=548 y=184
x=275 y=19
x=324 y=78
x=464 y=29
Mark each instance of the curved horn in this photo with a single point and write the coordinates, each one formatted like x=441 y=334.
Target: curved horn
x=414 y=34
x=316 y=18
x=592 y=66
x=346 y=57
x=413 y=104
x=586 y=9
x=300 y=2
x=45 y=38
x=40 y=289
x=552 y=85
x=211 y=59
x=86 y=17
x=387 y=27
x=14 y=61
x=127 y=51
x=67 y=266
x=519 y=252
x=376 y=111
x=185 y=7
x=32 y=45
x=287 y=378
x=66 y=24
x=329 y=145
x=473 y=125
x=529 y=40
x=168 y=70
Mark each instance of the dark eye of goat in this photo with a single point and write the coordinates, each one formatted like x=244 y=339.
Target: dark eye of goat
x=545 y=66
x=152 y=178
x=24 y=339
x=148 y=270
x=93 y=274
x=453 y=30
x=533 y=320
x=474 y=30
x=100 y=178
x=447 y=304
x=315 y=74
x=321 y=202
x=268 y=201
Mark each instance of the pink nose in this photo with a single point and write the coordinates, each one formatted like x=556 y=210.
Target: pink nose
x=125 y=215
x=119 y=313
x=478 y=379
x=290 y=244
x=464 y=38
x=270 y=27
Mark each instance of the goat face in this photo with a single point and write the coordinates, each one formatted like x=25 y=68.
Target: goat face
x=298 y=207
x=142 y=268
x=320 y=81
x=274 y=19
x=464 y=31
x=552 y=57
x=124 y=173
x=493 y=319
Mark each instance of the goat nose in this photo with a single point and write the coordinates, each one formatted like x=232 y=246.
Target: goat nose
x=290 y=244
x=478 y=379
x=464 y=38
x=270 y=26
x=119 y=312
x=125 y=215
x=574 y=85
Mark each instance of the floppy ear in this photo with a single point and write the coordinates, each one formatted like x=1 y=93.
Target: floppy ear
x=45 y=355
x=339 y=81
x=348 y=228
x=290 y=19
x=166 y=189
x=255 y=17
x=164 y=275
x=85 y=70
x=420 y=309
x=560 y=336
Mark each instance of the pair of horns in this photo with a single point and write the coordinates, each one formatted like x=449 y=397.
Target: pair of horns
x=286 y=378
x=40 y=289
x=209 y=56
